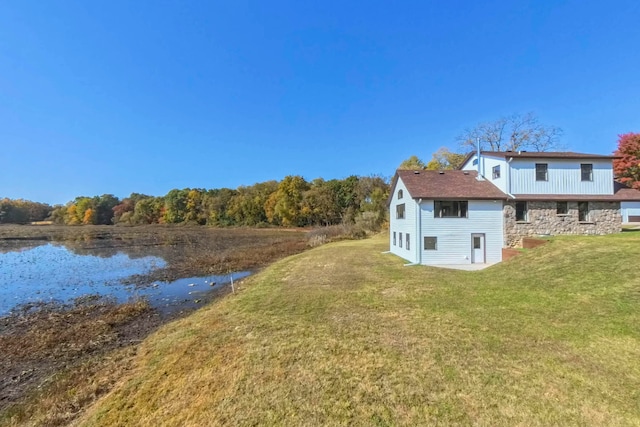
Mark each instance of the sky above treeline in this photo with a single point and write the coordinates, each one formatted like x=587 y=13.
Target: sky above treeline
x=146 y=96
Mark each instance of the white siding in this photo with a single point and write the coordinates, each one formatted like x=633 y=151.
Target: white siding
x=564 y=177
x=454 y=234
x=404 y=226
x=486 y=169
x=629 y=209
x=469 y=166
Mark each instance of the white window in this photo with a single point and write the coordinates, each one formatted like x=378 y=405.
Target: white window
x=400 y=194
x=394 y=238
x=400 y=240
x=430 y=243
x=450 y=209
x=496 y=172
x=562 y=208
x=583 y=211
x=586 y=172
x=408 y=239
x=400 y=212
x=542 y=173
x=521 y=212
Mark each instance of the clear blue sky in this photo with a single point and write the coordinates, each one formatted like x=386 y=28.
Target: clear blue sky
x=145 y=96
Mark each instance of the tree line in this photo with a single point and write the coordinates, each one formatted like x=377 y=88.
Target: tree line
x=20 y=211
x=297 y=202
x=292 y=202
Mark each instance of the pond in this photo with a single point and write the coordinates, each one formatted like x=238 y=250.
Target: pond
x=38 y=272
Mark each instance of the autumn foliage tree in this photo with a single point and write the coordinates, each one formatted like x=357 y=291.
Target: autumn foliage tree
x=412 y=163
x=294 y=202
x=443 y=159
x=22 y=211
x=626 y=166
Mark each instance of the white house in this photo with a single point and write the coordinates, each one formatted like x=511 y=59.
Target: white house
x=497 y=198
x=445 y=217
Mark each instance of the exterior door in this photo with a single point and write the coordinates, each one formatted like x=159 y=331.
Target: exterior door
x=477 y=248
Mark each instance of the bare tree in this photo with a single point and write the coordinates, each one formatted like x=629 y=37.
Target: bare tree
x=515 y=132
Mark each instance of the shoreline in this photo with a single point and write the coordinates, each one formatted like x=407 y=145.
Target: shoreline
x=44 y=344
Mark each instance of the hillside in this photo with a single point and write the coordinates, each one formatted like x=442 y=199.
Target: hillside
x=344 y=334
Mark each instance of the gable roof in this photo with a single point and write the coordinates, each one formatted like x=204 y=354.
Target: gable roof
x=539 y=155
x=448 y=184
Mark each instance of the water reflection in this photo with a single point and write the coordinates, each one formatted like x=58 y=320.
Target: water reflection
x=44 y=272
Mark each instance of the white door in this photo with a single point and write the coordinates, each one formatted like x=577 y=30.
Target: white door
x=477 y=248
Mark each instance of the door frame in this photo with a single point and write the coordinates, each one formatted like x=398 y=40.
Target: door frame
x=484 y=248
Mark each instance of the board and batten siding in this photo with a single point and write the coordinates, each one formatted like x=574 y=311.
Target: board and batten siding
x=454 y=234
x=629 y=209
x=564 y=177
x=404 y=226
x=486 y=169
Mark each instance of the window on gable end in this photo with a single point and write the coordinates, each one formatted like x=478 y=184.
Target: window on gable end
x=495 y=172
x=400 y=211
x=400 y=194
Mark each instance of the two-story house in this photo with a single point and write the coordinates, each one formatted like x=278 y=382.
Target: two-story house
x=496 y=199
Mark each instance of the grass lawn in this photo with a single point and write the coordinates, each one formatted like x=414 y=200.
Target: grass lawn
x=344 y=334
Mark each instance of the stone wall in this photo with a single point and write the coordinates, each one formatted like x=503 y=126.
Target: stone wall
x=604 y=218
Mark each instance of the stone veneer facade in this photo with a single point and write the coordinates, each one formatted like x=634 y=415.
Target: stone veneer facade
x=543 y=219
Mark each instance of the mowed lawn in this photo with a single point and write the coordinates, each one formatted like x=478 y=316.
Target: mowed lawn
x=346 y=335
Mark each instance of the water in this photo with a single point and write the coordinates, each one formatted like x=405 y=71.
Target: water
x=52 y=272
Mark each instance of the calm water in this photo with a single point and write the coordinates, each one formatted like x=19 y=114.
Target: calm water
x=51 y=272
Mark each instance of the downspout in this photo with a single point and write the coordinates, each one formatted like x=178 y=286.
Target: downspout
x=478 y=157
x=419 y=232
x=418 y=229
x=504 y=230
x=509 y=178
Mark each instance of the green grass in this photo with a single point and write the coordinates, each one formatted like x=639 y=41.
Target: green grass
x=345 y=335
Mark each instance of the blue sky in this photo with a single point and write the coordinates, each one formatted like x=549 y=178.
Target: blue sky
x=120 y=96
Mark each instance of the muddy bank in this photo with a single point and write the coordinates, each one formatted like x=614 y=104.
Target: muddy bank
x=41 y=344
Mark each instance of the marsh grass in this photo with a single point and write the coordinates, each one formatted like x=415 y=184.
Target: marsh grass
x=345 y=335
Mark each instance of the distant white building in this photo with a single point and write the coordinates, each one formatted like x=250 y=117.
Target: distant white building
x=497 y=198
x=630 y=212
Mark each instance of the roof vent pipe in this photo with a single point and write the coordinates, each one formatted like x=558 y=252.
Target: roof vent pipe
x=480 y=177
